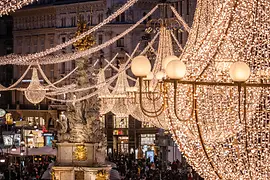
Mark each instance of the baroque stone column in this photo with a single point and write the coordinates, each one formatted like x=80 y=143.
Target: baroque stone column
x=81 y=140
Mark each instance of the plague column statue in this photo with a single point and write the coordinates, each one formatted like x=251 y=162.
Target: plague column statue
x=82 y=141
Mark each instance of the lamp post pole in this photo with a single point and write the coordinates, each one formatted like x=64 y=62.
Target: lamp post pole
x=9 y=170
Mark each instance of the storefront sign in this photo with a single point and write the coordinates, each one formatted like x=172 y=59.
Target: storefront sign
x=12 y=139
x=21 y=123
x=120 y=132
x=9 y=119
x=47 y=134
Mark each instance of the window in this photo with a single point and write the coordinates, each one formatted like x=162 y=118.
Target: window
x=100 y=18
x=36 y=121
x=52 y=71
x=148 y=139
x=63 y=22
x=42 y=41
x=120 y=42
x=27 y=46
x=81 y=17
x=120 y=122
x=90 y=19
x=51 y=42
x=117 y=19
x=121 y=18
x=63 y=69
x=181 y=8
x=73 y=64
x=145 y=21
x=73 y=21
x=100 y=39
x=35 y=45
x=63 y=40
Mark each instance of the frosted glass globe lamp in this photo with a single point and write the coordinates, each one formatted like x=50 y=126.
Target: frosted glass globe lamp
x=168 y=59
x=176 y=69
x=239 y=72
x=140 y=66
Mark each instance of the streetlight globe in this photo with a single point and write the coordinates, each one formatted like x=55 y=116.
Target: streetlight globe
x=140 y=66
x=239 y=72
x=168 y=59
x=160 y=75
x=176 y=69
x=149 y=76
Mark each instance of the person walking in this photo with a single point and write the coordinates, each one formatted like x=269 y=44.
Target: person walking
x=114 y=174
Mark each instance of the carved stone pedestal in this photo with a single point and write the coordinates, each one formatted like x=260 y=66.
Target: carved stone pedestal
x=77 y=173
x=78 y=162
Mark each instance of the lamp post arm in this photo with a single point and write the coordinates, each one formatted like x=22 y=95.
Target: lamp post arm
x=146 y=112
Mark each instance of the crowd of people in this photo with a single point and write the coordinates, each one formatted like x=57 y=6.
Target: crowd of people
x=31 y=171
x=143 y=169
x=123 y=168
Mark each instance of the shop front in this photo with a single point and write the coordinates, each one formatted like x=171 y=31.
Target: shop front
x=147 y=145
x=35 y=118
x=10 y=138
x=34 y=138
x=48 y=139
x=121 y=141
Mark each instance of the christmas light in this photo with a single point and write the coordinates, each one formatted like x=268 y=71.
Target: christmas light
x=8 y=6
x=32 y=58
x=223 y=126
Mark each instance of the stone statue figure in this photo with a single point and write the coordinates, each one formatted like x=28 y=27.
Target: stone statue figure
x=82 y=123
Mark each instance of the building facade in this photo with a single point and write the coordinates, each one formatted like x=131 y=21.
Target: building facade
x=46 y=23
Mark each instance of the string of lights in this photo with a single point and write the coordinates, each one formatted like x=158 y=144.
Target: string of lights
x=99 y=88
x=65 y=77
x=8 y=6
x=100 y=84
x=33 y=58
x=12 y=87
x=183 y=22
x=227 y=135
x=59 y=58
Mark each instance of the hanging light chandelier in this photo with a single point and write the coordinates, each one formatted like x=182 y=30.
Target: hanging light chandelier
x=117 y=100
x=35 y=92
x=216 y=96
x=152 y=100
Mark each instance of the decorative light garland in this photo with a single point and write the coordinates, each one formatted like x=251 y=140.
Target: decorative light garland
x=12 y=87
x=72 y=56
x=227 y=132
x=33 y=58
x=8 y=6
